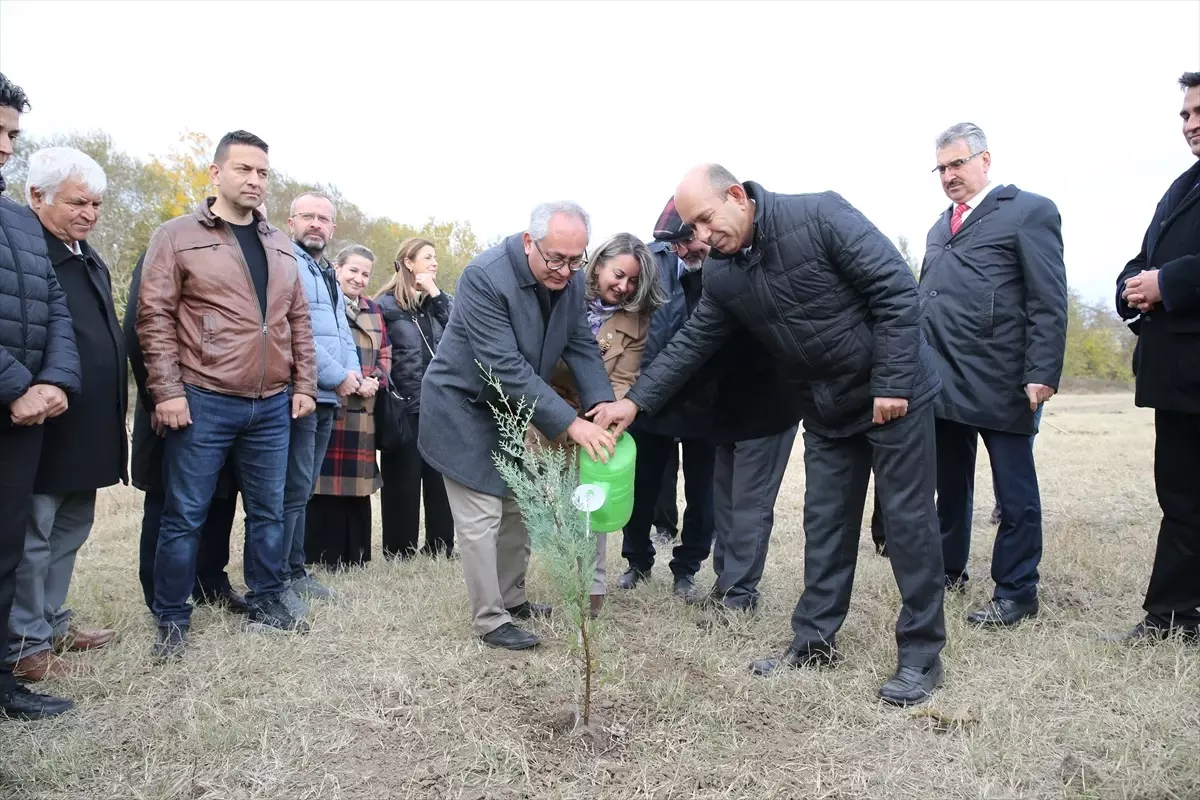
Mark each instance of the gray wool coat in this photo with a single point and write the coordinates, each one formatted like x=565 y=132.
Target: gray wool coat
x=497 y=321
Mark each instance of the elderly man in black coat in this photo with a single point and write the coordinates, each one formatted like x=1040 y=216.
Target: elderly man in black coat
x=518 y=309
x=1159 y=291
x=86 y=447
x=822 y=290
x=39 y=367
x=994 y=294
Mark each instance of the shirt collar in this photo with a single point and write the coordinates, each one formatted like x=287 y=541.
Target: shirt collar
x=975 y=201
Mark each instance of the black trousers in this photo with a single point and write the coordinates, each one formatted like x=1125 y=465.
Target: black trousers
x=1017 y=551
x=902 y=454
x=212 y=557
x=338 y=531
x=20 y=449
x=1173 y=597
x=695 y=539
x=666 y=512
x=406 y=477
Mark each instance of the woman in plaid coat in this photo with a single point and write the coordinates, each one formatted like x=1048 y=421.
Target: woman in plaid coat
x=338 y=526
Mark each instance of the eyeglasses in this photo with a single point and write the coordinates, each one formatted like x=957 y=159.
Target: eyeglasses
x=309 y=217
x=956 y=163
x=574 y=264
x=678 y=244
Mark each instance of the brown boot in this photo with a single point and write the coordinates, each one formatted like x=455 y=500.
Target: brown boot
x=41 y=665
x=597 y=604
x=78 y=640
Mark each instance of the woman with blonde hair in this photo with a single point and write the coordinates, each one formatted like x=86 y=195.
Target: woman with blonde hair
x=622 y=289
x=416 y=312
x=338 y=520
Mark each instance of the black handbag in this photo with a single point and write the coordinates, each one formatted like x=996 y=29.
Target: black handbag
x=392 y=430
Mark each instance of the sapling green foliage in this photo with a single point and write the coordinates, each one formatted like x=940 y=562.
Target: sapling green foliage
x=543 y=479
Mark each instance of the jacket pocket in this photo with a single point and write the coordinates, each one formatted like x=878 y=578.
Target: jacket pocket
x=208 y=339
x=987 y=320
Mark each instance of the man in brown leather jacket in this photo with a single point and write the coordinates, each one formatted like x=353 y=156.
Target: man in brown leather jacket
x=224 y=326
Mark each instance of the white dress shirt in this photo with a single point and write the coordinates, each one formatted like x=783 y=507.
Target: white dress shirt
x=974 y=202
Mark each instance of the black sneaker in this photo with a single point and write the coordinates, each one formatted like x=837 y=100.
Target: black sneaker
x=171 y=643
x=223 y=597
x=21 y=703
x=269 y=613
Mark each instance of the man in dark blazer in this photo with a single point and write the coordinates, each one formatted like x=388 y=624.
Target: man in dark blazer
x=85 y=448
x=684 y=425
x=817 y=286
x=518 y=309
x=1159 y=291
x=994 y=296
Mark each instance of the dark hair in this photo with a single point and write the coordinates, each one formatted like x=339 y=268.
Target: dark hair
x=722 y=180
x=1189 y=80
x=12 y=96
x=236 y=137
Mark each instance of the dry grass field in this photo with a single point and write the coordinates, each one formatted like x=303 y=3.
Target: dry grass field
x=391 y=697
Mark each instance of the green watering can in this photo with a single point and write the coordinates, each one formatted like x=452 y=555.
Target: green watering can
x=615 y=481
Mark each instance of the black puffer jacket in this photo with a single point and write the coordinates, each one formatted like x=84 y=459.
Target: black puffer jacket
x=828 y=296
x=37 y=343
x=414 y=337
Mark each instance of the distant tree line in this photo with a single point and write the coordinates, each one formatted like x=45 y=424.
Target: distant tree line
x=142 y=194
x=1099 y=346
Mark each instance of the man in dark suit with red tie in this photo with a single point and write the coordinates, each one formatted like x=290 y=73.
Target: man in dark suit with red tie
x=994 y=300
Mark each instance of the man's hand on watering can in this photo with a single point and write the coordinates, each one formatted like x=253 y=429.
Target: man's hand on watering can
x=619 y=413
x=598 y=442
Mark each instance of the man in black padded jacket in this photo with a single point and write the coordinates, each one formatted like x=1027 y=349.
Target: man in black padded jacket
x=828 y=295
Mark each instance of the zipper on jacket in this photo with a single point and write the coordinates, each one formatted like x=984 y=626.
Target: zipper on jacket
x=25 y=313
x=262 y=383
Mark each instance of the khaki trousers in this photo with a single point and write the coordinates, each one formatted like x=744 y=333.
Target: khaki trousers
x=493 y=548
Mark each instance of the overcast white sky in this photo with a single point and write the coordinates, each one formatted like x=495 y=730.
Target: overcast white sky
x=477 y=111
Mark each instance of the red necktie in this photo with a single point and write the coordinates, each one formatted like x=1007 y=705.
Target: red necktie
x=956 y=219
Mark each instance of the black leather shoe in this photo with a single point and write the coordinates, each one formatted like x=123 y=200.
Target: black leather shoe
x=912 y=684
x=685 y=589
x=528 y=610
x=1003 y=613
x=21 y=703
x=818 y=655
x=224 y=597
x=171 y=643
x=956 y=584
x=631 y=578
x=1148 y=633
x=509 y=637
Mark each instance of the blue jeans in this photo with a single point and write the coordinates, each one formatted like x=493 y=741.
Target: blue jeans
x=306 y=453
x=255 y=434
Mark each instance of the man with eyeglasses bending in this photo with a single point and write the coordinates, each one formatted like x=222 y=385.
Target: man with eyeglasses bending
x=994 y=298
x=830 y=298
x=519 y=308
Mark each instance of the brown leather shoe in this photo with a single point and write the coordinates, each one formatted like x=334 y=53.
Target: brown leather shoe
x=41 y=665
x=597 y=601
x=78 y=640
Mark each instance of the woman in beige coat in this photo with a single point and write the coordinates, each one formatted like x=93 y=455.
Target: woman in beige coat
x=623 y=290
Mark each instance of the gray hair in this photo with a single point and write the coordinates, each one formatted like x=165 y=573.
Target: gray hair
x=292 y=208
x=539 y=220
x=968 y=131
x=353 y=250
x=649 y=294
x=51 y=167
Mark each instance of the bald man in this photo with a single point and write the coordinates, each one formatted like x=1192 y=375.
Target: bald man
x=832 y=301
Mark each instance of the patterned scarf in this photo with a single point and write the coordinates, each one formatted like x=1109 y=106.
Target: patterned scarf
x=598 y=313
